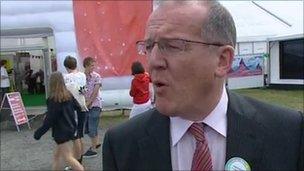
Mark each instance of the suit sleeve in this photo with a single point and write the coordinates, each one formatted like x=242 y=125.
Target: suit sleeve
x=48 y=121
x=301 y=157
x=108 y=160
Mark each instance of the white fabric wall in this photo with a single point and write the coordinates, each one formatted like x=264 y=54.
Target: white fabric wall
x=36 y=63
x=57 y=15
x=251 y=21
x=246 y=82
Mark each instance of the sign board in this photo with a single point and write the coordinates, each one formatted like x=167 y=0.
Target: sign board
x=245 y=48
x=259 y=47
x=17 y=107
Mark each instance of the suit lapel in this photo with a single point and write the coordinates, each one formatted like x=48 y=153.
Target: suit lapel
x=244 y=133
x=244 y=137
x=154 y=149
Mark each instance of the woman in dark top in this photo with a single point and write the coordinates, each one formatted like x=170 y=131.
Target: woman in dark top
x=60 y=117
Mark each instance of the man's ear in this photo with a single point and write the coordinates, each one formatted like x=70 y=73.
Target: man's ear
x=226 y=55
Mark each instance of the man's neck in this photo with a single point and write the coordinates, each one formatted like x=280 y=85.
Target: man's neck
x=202 y=110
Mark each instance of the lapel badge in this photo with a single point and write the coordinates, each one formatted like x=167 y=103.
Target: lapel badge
x=236 y=164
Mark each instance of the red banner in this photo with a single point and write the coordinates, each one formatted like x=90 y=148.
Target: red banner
x=108 y=30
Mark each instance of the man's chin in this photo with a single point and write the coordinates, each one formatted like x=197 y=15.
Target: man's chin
x=165 y=110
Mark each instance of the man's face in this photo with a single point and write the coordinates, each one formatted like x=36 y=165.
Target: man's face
x=90 y=67
x=182 y=79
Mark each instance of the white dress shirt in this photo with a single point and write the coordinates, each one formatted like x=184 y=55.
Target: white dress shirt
x=183 y=143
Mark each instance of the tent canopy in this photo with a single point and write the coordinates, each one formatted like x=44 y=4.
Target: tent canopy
x=259 y=20
x=251 y=20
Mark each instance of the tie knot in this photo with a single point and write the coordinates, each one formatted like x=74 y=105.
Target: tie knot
x=197 y=130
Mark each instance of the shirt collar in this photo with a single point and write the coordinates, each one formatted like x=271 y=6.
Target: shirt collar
x=216 y=120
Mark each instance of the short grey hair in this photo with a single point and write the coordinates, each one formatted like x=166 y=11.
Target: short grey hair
x=218 y=26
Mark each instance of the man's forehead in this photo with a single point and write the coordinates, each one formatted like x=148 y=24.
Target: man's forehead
x=179 y=17
x=175 y=12
x=182 y=9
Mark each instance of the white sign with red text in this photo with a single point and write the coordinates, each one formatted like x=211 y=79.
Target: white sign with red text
x=17 y=107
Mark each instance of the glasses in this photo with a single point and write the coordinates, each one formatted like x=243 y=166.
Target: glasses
x=167 y=46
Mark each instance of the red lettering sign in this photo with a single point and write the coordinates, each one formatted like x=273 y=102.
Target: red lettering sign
x=17 y=108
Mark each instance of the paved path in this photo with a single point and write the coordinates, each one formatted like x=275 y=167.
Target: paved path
x=19 y=151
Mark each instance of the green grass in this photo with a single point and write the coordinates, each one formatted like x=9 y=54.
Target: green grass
x=33 y=99
x=112 y=118
x=288 y=98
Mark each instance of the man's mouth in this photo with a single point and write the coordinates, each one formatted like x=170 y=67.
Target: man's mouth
x=160 y=87
x=159 y=84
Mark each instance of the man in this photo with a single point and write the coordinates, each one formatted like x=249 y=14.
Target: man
x=197 y=124
x=93 y=102
x=75 y=82
x=4 y=79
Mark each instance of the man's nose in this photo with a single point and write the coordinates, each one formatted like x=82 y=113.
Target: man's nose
x=156 y=59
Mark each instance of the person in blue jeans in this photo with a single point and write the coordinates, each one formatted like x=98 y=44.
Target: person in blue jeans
x=93 y=102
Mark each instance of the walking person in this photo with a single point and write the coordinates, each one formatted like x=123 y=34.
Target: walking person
x=75 y=82
x=60 y=117
x=140 y=89
x=4 y=80
x=94 y=105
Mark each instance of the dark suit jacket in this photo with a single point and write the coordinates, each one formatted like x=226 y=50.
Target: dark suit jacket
x=267 y=137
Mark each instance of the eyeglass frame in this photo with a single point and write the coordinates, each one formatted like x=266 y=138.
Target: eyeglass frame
x=184 y=41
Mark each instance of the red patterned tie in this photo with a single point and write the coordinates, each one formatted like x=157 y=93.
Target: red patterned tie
x=201 y=159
